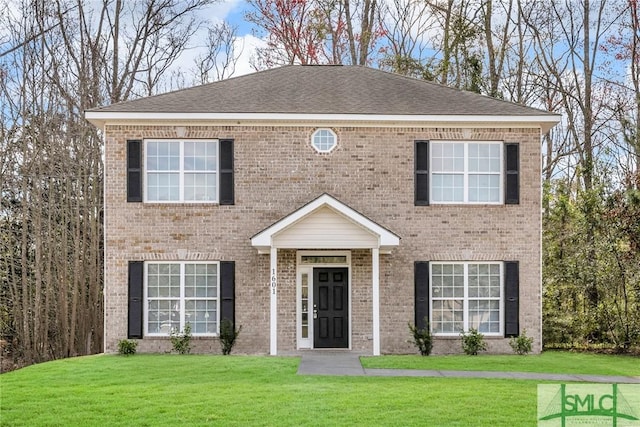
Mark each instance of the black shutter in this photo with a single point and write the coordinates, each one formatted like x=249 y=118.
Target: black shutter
x=511 y=174
x=227 y=290
x=135 y=299
x=422 y=173
x=134 y=170
x=421 y=282
x=511 y=299
x=226 y=172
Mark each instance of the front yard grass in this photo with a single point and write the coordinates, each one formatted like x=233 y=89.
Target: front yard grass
x=557 y=362
x=163 y=390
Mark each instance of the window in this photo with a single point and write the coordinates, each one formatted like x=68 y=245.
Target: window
x=466 y=295
x=178 y=293
x=304 y=306
x=466 y=172
x=323 y=259
x=324 y=140
x=181 y=171
x=471 y=172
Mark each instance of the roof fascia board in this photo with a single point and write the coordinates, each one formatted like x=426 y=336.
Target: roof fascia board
x=102 y=118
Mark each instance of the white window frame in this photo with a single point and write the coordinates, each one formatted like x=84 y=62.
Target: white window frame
x=331 y=132
x=466 y=173
x=181 y=171
x=466 y=298
x=182 y=298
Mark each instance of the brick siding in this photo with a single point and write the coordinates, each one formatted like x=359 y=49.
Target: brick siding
x=276 y=172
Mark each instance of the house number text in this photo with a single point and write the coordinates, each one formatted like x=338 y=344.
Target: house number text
x=274 y=281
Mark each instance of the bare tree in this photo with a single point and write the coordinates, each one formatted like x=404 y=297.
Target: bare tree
x=496 y=51
x=221 y=57
x=364 y=13
x=67 y=56
x=316 y=31
x=406 y=27
x=624 y=93
x=292 y=31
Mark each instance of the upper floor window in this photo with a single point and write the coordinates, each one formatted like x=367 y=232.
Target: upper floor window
x=181 y=171
x=324 y=140
x=466 y=172
x=473 y=172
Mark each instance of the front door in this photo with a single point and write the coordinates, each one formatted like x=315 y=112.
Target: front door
x=330 y=308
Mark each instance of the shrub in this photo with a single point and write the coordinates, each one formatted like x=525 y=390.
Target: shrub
x=521 y=344
x=181 y=341
x=422 y=338
x=127 y=348
x=228 y=335
x=473 y=342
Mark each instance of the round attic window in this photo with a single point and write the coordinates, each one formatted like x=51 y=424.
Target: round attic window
x=324 y=140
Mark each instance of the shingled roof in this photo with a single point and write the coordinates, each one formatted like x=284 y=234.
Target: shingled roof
x=324 y=89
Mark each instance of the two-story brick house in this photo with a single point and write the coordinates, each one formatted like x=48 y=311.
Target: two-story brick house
x=322 y=207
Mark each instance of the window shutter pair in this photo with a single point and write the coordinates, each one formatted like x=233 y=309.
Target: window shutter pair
x=511 y=173
x=136 y=301
x=135 y=178
x=511 y=296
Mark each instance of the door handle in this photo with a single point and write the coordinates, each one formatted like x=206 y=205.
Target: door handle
x=315 y=313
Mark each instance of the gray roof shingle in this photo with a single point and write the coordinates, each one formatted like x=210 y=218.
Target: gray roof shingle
x=324 y=89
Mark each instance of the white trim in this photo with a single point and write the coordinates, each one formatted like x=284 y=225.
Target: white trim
x=273 y=292
x=106 y=277
x=308 y=268
x=543 y=121
x=375 y=273
x=264 y=240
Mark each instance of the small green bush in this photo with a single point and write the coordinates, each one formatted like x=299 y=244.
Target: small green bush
x=228 y=335
x=181 y=341
x=127 y=348
x=422 y=338
x=473 y=342
x=521 y=344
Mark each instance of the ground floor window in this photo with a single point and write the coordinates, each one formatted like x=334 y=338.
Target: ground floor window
x=177 y=293
x=466 y=295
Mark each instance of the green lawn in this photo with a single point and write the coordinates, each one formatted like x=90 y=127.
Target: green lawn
x=551 y=361
x=159 y=390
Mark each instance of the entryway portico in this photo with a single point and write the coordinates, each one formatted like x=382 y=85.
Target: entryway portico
x=324 y=232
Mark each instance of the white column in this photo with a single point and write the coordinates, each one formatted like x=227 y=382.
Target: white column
x=273 y=290
x=375 y=273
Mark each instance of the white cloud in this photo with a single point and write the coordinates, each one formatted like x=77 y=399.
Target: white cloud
x=248 y=44
x=220 y=10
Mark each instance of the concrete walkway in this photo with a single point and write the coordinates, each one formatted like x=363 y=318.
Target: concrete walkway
x=345 y=363
x=329 y=362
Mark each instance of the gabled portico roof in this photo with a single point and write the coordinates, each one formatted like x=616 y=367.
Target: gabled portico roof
x=381 y=238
